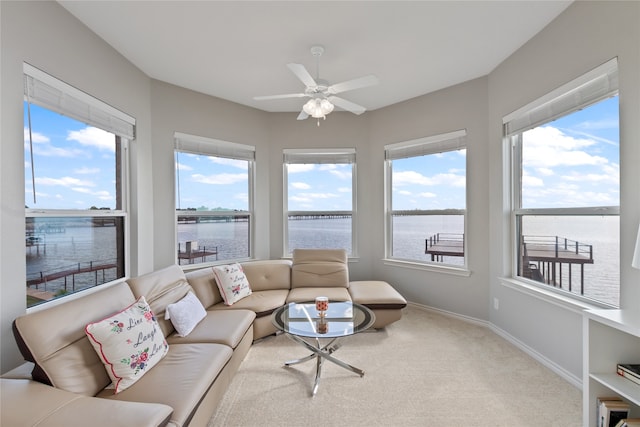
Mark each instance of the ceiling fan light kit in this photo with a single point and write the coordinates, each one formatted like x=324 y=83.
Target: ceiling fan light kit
x=322 y=94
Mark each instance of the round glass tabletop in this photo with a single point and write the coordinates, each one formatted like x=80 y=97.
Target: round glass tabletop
x=339 y=320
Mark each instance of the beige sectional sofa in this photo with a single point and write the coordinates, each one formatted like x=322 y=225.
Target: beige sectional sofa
x=68 y=383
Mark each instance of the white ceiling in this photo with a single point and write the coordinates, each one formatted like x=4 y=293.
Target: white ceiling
x=236 y=50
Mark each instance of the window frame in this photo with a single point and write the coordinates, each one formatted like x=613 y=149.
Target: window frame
x=434 y=144
x=319 y=156
x=54 y=95
x=582 y=92
x=204 y=146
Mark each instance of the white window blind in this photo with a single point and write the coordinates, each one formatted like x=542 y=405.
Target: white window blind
x=200 y=145
x=429 y=145
x=320 y=156
x=594 y=86
x=46 y=91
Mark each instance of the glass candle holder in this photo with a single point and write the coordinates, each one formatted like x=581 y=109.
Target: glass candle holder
x=322 y=304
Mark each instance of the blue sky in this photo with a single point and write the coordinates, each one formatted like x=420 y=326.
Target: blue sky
x=570 y=162
x=74 y=164
x=212 y=182
x=574 y=161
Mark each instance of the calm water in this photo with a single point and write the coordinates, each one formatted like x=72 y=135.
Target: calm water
x=231 y=239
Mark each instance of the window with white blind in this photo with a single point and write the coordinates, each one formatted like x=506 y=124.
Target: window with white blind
x=565 y=160
x=320 y=199
x=214 y=199
x=76 y=207
x=426 y=200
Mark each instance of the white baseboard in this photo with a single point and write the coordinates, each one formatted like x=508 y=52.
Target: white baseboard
x=563 y=373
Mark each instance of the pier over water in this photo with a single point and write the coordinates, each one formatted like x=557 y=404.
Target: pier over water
x=541 y=258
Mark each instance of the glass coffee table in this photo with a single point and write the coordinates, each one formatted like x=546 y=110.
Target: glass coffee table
x=301 y=322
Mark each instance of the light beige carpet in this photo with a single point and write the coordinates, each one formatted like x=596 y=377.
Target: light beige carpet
x=424 y=370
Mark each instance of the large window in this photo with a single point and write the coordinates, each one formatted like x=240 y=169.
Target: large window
x=319 y=197
x=426 y=200
x=565 y=157
x=76 y=158
x=214 y=199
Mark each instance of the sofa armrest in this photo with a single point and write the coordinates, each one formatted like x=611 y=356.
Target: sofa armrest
x=26 y=402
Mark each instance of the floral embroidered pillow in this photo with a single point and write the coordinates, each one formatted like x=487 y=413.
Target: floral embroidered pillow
x=232 y=282
x=129 y=343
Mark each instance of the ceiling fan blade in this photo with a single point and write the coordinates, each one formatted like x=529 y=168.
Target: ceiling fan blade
x=302 y=74
x=303 y=115
x=347 y=105
x=358 y=83
x=288 y=95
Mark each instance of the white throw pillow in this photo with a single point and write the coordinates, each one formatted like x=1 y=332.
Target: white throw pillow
x=232 y=282
x=185 y=314
x=129 y=343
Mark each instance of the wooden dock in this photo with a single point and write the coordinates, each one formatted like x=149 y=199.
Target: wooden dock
x=70 y=272
x=541 y=257
x=192 y=252
x=444 y=244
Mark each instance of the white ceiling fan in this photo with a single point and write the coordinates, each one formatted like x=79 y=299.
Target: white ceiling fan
x=322 y=94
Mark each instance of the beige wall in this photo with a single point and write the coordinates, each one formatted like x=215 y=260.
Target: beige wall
x=585 y=35
x=46 y=36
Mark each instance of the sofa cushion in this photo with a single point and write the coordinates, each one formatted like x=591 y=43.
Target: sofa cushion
x=232 y=282
x=29 y=403
x=262 y=303
x=218 y=326
x=54 y=339
x=268 y=275
x=129 y=343
x=319 y=268
x=180 y=380
x=161 y=288
x=185 y=314
x=310 y=294
x=203 y=282
x=376 y=294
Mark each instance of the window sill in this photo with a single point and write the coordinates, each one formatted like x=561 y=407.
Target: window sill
x=551 y=296
x=456 y=271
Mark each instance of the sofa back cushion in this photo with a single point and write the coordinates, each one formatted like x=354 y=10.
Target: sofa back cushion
x=161 y=288
x=54 y=339
x=319 y=268
x=268 y=275
x=203 y=282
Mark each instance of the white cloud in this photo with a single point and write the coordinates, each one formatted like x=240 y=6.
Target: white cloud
x=547 y=147
x=239 y=164
x=300 y=185
x=531 y=181
x=36 y=137
x=412 y=177
x=183 y=167
x=242 y=196
x=344 y=190
x=428 y=195
x=42 y=146
x=93 y=137
x=85 y=170
x=219 y=179
x=341 y=174
x=65 y=181
x=311 y=196
x=296 y=168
